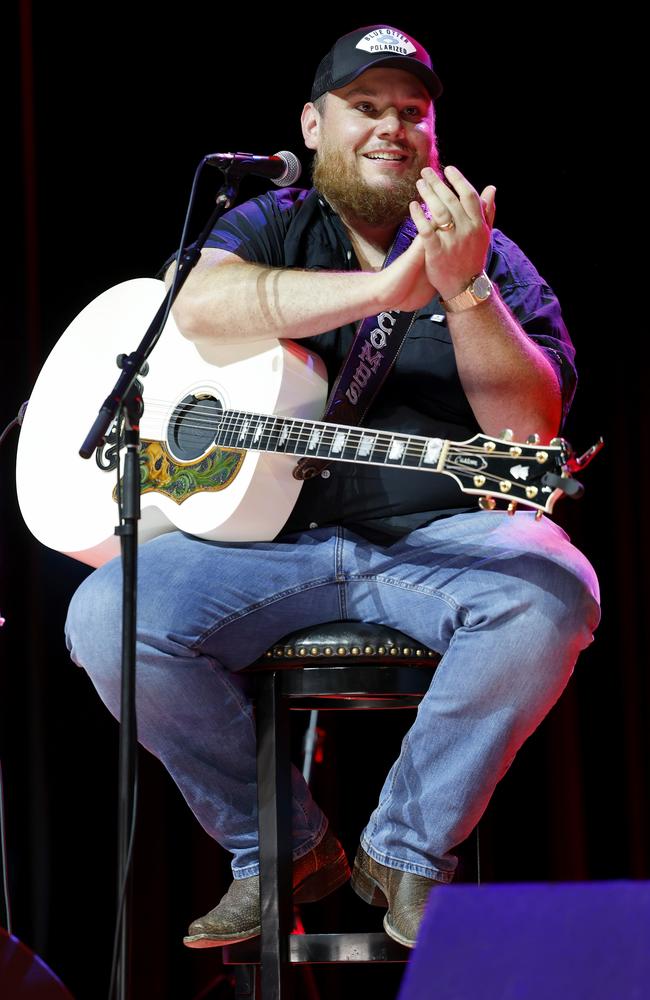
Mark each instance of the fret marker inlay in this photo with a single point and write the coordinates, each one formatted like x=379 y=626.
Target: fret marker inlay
x=338 y=442
x=366 y=445
x=432 y=453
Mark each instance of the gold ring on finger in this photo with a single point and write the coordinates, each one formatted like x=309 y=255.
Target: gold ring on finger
x=446 y=227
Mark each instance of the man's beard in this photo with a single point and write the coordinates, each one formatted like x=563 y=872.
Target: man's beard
x=340 y=182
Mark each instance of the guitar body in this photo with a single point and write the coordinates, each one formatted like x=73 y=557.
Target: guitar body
x=187 y=482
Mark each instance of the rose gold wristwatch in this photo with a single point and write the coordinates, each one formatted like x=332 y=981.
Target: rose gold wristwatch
x=479 y=290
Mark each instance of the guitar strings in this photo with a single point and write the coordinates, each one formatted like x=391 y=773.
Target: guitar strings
x=230 y=420
x=214 y=421
x=283 y=434
x=381 y=452
x=288 y=431
x=384 y=441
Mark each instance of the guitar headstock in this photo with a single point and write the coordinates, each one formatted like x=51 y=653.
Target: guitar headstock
x=530 y=474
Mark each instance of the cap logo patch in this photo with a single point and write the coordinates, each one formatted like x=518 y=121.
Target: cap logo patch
x=386 y=40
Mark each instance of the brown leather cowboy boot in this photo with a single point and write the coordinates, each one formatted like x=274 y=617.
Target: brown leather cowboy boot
x=237 y=915
x=403 y=893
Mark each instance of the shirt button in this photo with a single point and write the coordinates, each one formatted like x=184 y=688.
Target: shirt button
x=313 y=524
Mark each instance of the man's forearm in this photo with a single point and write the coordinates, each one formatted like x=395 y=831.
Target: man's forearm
x=239 y=301
x=229 y=300
x=507 y=379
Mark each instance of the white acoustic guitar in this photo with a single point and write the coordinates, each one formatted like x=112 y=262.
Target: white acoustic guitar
x=221 y=430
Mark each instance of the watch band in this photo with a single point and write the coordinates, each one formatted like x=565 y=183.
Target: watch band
x=479 y=290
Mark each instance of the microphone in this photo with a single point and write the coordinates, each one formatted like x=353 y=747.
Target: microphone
x=283 y=168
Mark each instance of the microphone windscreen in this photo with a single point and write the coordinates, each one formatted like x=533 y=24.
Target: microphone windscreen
x=293 y=169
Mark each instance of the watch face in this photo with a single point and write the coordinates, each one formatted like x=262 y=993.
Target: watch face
x=481 y=286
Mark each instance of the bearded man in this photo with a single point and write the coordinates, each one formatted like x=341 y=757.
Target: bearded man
x=507 y=601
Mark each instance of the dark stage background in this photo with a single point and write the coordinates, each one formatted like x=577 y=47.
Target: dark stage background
x=108 y=113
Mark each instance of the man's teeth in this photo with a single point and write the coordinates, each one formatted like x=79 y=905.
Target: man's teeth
x=385 y=156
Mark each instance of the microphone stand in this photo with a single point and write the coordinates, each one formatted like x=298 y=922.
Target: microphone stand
x=126 y=396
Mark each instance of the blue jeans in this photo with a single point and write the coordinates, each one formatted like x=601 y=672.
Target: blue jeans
x=507 y=600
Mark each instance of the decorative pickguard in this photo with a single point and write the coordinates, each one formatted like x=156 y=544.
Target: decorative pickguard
x=161 y=473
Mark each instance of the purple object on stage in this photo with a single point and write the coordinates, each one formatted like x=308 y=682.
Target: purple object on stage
x=578 y=940
x=25 y=976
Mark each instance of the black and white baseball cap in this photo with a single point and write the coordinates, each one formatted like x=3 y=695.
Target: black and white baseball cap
x=376 y=45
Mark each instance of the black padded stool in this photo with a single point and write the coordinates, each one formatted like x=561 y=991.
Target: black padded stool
x=340 y=665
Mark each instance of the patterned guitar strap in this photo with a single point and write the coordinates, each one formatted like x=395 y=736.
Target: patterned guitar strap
x=373 y=352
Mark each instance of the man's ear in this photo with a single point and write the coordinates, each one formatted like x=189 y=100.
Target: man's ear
x=310 y=121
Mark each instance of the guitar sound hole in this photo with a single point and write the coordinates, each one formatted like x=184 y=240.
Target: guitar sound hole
x=193 y=427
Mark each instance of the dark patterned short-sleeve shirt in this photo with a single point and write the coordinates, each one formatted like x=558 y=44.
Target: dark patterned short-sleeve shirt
x=422 y=394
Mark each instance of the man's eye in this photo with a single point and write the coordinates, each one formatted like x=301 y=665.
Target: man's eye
x=413 y=112
x=365 y=106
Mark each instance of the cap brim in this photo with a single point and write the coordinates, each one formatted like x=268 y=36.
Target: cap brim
x=426 y=75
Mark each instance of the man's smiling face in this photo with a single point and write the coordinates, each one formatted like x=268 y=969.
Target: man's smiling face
x=372 y=138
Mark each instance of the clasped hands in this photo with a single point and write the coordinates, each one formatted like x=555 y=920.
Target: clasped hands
x=452 y=242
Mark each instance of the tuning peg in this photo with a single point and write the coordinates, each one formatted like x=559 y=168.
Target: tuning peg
x=557 y=442
x=532 y=439
x=512 y=507
x=487 y=503
x=506 y=434
x=571 y=487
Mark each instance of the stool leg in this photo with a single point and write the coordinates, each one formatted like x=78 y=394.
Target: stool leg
x=245 y=982
x=275 y=838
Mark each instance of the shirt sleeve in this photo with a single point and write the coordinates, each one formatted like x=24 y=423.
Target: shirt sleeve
x=537 y=309
x=256 y=230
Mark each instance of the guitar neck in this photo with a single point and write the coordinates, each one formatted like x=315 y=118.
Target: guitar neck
x=531 y=473
x=335 y=442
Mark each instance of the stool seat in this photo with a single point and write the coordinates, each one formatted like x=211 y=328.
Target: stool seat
x=336 y=665
x=362 y=641
x=350 y=665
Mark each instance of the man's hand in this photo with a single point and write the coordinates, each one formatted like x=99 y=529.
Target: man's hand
x=404 y=284
x=455 y=253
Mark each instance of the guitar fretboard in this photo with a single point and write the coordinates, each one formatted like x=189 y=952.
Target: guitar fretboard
x=286 y=435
